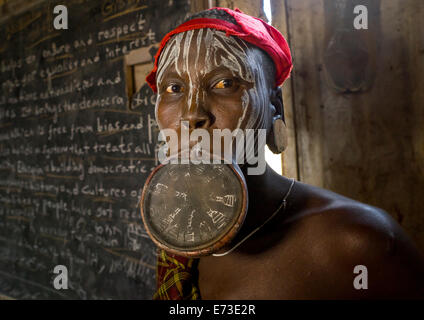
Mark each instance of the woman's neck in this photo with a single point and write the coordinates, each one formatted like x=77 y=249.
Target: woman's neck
x=266 y=193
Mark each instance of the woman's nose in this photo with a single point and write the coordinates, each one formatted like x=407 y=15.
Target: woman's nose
x=197 y=115
x=197 y=119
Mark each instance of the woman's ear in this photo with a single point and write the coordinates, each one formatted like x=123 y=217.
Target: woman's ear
x=277 y=101
x=277 y=138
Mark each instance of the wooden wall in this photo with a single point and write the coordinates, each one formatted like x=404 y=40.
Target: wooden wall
x=355 y=101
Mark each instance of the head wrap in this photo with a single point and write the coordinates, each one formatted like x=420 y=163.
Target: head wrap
x=250 y=29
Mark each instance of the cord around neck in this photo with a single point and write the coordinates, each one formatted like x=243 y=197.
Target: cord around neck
x=283 y=204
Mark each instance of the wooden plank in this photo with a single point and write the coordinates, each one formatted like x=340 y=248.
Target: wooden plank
x=140 y=73
x=139 y=56
x=200 y=5
x=250 y=7
x=304 y=17
x=129 y=82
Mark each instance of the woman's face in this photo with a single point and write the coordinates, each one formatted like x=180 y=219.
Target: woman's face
x=213 y=82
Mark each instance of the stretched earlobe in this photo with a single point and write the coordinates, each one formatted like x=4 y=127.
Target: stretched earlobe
x=279 y=134
x=278 y=138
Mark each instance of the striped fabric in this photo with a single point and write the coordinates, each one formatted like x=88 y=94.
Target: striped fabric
x=177 y=277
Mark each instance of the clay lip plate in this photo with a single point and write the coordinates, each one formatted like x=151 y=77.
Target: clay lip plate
x=208 y=247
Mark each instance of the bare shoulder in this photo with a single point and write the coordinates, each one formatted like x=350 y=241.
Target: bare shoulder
x=341 y=234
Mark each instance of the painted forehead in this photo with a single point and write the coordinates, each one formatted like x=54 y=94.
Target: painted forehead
x=203 y=50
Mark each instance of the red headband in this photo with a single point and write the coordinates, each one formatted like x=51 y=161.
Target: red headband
x=249 y=29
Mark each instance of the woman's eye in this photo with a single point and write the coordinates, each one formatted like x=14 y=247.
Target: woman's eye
x=174 y=88
x=223 y=84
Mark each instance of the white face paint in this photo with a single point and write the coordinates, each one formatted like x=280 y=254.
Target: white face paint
x=196 y=53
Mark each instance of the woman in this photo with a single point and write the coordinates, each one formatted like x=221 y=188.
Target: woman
x=222 y=70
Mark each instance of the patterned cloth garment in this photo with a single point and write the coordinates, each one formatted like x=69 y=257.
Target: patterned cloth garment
x=176 y=277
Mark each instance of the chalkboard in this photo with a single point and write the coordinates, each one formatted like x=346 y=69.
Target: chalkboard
x=75 y=152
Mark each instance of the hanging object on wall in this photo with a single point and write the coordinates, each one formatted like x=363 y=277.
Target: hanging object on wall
x=352 y=31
